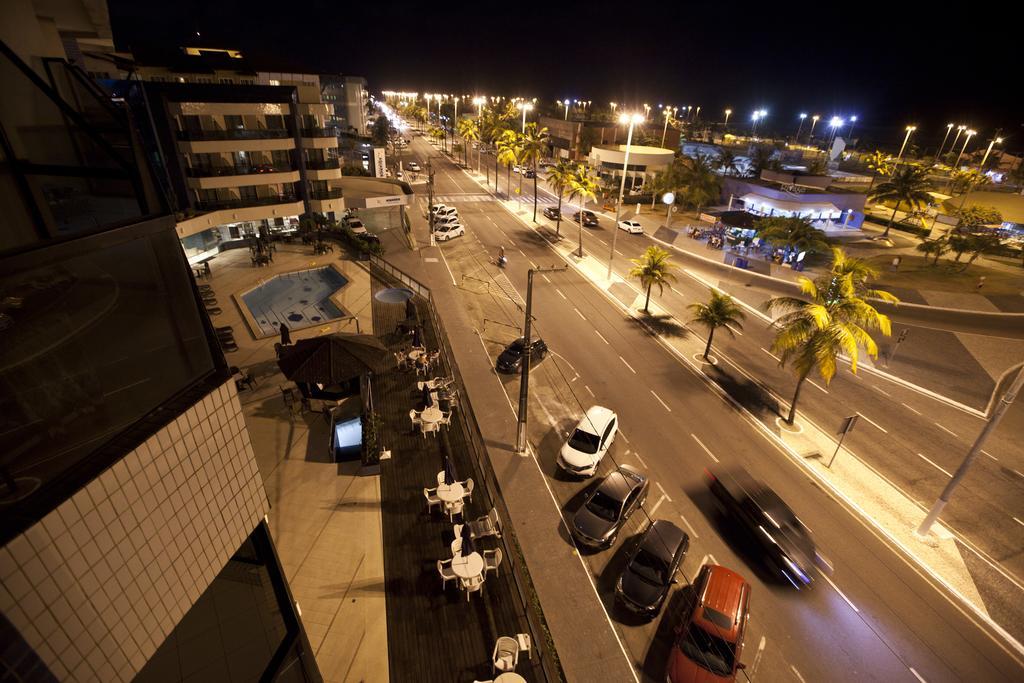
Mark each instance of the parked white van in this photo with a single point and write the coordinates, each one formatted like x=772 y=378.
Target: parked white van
x=589 y=442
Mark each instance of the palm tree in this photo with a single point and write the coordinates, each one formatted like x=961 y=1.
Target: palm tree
x=792 y=233
x=719 y=311
x=653 y=268
x=907 y=184
x=727 y=162
x=937 y=247
x=470 y=132
x=762 y=159
x=582 y=187
x=982 y=244
x=859 y=272
x=535 y=141
x=559 y=176
x=833 y=318
x=879 y=162
x=702 y=184
x=508 y=154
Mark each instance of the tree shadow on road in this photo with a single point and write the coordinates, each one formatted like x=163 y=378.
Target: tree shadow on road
x=749 y=394
x=660 y=326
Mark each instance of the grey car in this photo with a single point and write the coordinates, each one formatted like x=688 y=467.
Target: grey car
x=598 y=521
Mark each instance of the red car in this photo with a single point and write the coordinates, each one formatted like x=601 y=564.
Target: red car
x=709 y=642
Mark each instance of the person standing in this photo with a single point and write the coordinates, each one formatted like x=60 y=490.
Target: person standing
x=286 y=336
x=981 y=282
x=897 y=260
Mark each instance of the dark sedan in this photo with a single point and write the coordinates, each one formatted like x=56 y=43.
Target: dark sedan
x=552 y=213
x=511 y=359
x=784 y=541
x=589 y=219
x=651 y=568
x=598 y=521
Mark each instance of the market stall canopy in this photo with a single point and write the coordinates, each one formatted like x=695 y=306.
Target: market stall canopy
x=333 y=358
x=788 y=205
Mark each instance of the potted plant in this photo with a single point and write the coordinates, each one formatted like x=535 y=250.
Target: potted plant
x=373 y=428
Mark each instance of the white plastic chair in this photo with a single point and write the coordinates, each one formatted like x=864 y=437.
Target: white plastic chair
x=454 y=508
x=492 y=560
x=506 y=654
x=414 y=418
x=472 y=585
x=444 y=568
x=467 y=490
x=429 y=428
x=432 y=499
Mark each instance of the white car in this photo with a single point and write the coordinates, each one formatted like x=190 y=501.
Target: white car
x=632 y=227
x=413 y=166
x=356 y=226
x=438 y=207
x=443 y=233
x=589 y=442
x=445 y=220
x=447 y=212
x=517 y=169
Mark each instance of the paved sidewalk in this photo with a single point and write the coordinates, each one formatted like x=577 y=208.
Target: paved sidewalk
x=587 y=644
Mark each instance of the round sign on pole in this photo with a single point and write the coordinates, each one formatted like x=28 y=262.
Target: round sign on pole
x=668 y=198
x=675 y=209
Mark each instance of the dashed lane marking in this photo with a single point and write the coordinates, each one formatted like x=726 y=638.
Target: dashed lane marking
x=656 y=506
x=663 y=491
x=932 y=463
x=663 y=404
x=946 y=429
x=911 y=409
x=841 y=594
x=917 y=675
x=582 y=317
x=641 y=460
x=588 y=390
x=560 y=294
x=630 y=367
x=602 y=338
x=706 y=449
x=771 y=354
x=693 y=532
x=873 y=423
x=817 y=386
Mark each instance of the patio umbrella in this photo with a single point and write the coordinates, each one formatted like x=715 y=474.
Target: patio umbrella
x=428 y=399
x=286 y=336
x=449 y=471
x=467 y=541
x=417 y=337
x=333 y=358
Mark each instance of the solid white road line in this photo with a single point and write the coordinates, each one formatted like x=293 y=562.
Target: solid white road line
x=602 y=338
x=627 y=365
x=771 y=354
x=841 y=594
x=913 y=410
x=757 y=657
x=693 y=532
x=450 y=273
x=817 y=386
x=588 y=390
x=582 y=317
x=934 y=465
x=796 y=673
x=641 y=460
x=560 y=293
x=663 y=404
x=881 y=390
x=946 y=429
x=989 y=455
x=917 y=675
x=706 y=449
x=875 y=424
x=623 y=435
x=663 y=491
x=656 y=505
x=1018 y=521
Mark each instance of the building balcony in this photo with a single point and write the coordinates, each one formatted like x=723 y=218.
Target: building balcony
x=333 y=193
x=323 y=165
x=235 y=134
x=318 y=132
x=265 y=178
x=241 y=203
x=219 y=171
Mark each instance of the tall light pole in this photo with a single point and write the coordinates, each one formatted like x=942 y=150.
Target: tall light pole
x=696 y=114
x=814 y=122
x=993 y=141
x=800 y=127
x=993 y=422
x=959 y=132
x=728 y=113
x=613 y=105
x=524 y=107
x=632 y=120
x=455 y=120
x=565 y=103
x=949 y=129
x=836 y=123
x=668 y=114
x=910 y=130
x=853 y=122
x=967 y=138
x=479 y=102
x=753 y=128
x=647 y=110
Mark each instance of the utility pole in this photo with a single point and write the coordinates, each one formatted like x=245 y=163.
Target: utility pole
x=430 y=199
x=524 y=382
x=993 y=422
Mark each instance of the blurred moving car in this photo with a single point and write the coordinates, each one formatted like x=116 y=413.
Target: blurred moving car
x=709 y=642
x=552 y=213
x=588 y=443
x=784 y=541
x=511 y=359
x=413 y=166
x=598 y=521
x=589 y=219
x=651 y=568
x=632 y=227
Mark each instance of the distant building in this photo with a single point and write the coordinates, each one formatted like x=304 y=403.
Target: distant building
x=347 y=96
x=795 y=195
x=574 y=138
x=644 y=162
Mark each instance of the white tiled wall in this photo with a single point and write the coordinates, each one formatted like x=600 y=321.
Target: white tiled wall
x=96 y=585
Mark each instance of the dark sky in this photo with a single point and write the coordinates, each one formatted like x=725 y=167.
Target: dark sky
x=891 y=63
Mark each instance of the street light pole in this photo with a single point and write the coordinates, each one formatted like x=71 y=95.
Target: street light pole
x=632 y=119
x=993 y=422
x=728 y=112
x=814 y=122
x=524 y=382
x=800 y=127
x=910 y=129
x=664 y=131
x=959 y=132
x=967 y=139
x=949 y=129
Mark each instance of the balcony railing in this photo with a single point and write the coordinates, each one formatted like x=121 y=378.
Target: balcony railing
x=235 y=134
x=240 y=203
x=217 y=171
x=333 y=193
x=322 y=165
x=327 y=132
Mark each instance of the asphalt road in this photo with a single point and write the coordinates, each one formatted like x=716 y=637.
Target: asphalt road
x=879 y=620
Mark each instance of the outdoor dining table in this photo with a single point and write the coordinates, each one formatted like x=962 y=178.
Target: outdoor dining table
x=468 y=567
x=510 y=677
x=432 y=414
x=450 y=493
x=416 y=353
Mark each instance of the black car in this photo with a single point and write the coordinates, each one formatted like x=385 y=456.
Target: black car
x=651 y=568
x=589 y=219
x=552 y=213
x=784 y=541
x=511 y=359
x=598 y=521
x=529 y=173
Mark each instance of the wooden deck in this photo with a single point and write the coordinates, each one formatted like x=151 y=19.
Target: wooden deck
x=434 y=634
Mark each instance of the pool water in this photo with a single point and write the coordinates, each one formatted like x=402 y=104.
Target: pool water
x=299 y=299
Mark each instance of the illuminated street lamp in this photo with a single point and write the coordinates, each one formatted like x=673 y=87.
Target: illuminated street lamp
x=613 y=105
x=835 y=123
x=910 y=130
x=647 y=110
x=959 y=132
x=993 y=141
x=667 y=111
x=800 y=127
x=728 y=113
x=524 y=107
x=853 y=122
x=967 y=138
x=632 y=120
x=949 y=129
x=696 y=114
x=814 y=122
x=565 y=103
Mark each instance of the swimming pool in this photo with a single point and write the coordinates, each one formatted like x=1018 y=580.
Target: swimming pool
x=299 y=299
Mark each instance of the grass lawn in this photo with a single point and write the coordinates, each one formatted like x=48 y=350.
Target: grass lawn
x=947 y=276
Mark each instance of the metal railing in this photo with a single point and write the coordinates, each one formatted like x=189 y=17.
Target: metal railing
x=466 y=419
x=320 y=132
x=322 y=164
x=217 y=171
x=334 y=193
x=217 y=204
x=235 y=134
